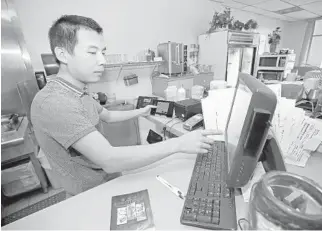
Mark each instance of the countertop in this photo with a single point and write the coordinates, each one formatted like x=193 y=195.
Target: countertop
x=15 y=145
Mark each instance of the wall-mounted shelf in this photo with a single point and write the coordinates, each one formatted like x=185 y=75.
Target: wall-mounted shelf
x=132 y=65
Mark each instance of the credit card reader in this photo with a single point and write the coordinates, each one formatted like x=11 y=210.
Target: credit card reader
x=193 y=122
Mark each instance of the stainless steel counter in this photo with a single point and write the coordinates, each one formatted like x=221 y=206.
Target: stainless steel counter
x=14 y=136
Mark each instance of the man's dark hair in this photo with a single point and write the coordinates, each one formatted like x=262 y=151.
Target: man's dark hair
x=63 y=33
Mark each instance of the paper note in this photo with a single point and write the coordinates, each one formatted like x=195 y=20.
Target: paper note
x=313 y=144
x=257 y=175
x=216 y=108
x=297 y=134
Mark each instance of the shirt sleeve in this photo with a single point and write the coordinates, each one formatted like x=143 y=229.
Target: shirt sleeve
x=66 y=122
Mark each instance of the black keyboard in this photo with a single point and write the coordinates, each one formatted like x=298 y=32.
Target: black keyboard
x=209 y=202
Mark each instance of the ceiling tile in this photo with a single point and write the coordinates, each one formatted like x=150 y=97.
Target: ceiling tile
x=273 y=5
x=250 y=2
x=282 y=17
x=233 y=4
x=255 y=10
x=279 y=16
x=315 y=6
x=302 y=15
x=299 y=2
x=267 y=13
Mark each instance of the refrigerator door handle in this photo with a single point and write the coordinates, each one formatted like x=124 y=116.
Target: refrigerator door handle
x=177 y=55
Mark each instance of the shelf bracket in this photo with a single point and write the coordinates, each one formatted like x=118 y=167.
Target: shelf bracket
x=119 y=73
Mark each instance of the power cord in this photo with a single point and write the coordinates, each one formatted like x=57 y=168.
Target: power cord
x=165 y=127
x=173 y=125
x=239 y=223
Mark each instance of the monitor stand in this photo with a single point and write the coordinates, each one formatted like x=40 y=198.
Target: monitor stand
x=271 y=156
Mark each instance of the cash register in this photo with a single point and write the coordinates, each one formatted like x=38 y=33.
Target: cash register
x=229 y=165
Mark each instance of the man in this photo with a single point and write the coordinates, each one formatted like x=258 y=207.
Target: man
x=66 y=119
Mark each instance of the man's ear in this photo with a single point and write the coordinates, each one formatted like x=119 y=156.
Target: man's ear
x=61 y=54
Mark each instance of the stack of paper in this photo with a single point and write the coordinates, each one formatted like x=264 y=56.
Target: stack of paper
x=297 y=134
x=216 y=108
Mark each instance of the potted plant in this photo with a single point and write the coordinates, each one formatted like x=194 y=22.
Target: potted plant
x=274 y=39
x=238 y=25
x=251 y=24
x=220 y=21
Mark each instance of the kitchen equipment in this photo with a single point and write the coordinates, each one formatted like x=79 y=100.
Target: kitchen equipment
x=187 y=108
x=143 y=101
x=275 y=67
x=164 y=107
x=240 y=48
x=15 y=60
x=174 y=56
x=270 y=75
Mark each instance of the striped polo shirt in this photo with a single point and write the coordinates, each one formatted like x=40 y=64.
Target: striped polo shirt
x=61 y=114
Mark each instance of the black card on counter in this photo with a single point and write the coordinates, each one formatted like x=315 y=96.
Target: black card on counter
x=132 y=212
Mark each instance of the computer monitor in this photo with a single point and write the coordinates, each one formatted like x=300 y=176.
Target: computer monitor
x=247 y=128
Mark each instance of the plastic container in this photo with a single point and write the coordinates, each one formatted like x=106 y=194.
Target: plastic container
x=171 y=93
x=285 y=201
x=181 y=95
x=197 y=92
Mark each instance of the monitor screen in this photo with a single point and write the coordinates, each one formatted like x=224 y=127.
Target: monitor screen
x=162 y=107
x=238 y=115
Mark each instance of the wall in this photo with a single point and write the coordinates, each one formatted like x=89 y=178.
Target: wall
x=293 y=37
x=129 y=25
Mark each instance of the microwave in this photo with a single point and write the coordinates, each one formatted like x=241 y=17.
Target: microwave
x=277 y=61
x=270 y=75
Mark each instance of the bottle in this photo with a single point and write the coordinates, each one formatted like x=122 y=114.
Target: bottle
x=171 y=93
x=181 y=95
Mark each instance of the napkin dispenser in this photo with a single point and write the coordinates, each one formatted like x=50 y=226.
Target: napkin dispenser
x=308 y=96
x=130 y=79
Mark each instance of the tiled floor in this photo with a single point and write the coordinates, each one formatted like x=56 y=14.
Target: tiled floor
x=29 y=199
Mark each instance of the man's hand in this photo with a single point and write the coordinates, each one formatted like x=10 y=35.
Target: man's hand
x=197 y=141
x=147 y=110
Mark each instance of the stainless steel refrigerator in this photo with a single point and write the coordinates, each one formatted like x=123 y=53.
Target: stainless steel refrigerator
x=229 y=52
x=15 y=60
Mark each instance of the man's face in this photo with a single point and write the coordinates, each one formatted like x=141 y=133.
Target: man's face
x=86 y=64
